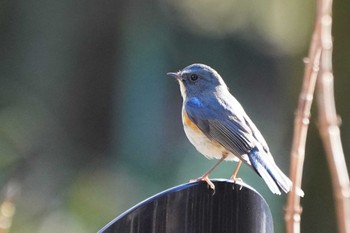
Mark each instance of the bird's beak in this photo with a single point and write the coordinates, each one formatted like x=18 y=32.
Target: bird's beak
x=175 y=75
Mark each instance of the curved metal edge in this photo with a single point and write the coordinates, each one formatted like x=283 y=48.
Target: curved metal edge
x=175 y=189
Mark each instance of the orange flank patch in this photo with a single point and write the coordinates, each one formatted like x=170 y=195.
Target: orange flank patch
x=188 y=123
x=209 y=148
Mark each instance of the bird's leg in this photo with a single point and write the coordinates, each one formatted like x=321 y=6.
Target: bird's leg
x=234 y=175
x=205 y=176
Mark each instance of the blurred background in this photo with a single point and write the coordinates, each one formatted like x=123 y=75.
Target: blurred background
x=90 y=125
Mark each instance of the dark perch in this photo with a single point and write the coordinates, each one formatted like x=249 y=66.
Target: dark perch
x=193 y=208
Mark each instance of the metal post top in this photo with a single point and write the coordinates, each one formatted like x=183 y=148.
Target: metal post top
x=193 y=207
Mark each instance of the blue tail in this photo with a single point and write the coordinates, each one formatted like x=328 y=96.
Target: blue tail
x=266 y=167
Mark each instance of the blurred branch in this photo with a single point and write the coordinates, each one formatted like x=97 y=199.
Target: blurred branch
x=319 y=64
x=8 y=206
x=329 y=123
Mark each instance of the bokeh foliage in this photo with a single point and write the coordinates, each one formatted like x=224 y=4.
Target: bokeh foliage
x=90 y=125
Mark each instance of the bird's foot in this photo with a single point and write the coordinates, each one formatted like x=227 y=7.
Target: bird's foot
x=206 y=179
x=237 y=179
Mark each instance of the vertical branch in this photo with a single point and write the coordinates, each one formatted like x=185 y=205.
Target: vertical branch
x=320 y=61
x=301 y=123
x=329 y=124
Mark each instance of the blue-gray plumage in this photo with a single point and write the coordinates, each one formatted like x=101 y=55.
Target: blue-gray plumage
x=217 y=125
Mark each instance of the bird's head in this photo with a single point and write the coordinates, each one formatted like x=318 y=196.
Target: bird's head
x=198 y=80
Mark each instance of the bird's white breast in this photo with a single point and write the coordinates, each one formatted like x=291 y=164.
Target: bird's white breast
x=210 y=149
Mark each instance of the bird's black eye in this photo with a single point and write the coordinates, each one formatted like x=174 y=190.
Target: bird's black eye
x=193 y=77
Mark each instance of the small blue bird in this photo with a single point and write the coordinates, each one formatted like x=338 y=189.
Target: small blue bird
x=217 y=125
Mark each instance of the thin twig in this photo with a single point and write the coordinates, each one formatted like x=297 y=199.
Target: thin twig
x=293 y=211
x=320 y=58
x=301 y=123
x=329 y=124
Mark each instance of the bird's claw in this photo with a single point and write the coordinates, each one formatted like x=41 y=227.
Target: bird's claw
x=207 y=180
x=237 y=179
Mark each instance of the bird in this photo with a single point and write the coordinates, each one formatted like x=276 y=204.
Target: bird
x=219 y=128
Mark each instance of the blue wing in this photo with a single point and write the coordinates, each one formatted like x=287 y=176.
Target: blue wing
x=220 y=123
x=229 y=125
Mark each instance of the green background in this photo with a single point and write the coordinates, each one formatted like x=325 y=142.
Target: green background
x=90 y=125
